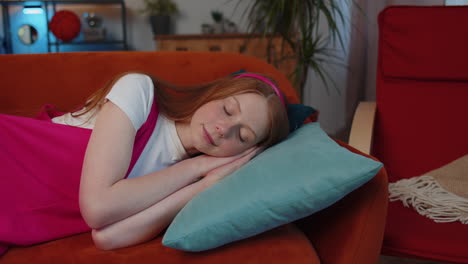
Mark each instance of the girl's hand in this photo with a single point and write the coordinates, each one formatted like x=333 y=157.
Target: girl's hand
x=206 y=163
x=220 y=172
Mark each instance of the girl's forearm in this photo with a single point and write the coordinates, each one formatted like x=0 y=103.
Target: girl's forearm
x=146 y=224
x=127 y=197
x=104 y=204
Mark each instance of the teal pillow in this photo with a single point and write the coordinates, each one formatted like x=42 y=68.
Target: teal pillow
x=303 y=174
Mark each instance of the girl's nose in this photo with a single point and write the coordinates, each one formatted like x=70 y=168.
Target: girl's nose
x=221 y=130
x=226 y=128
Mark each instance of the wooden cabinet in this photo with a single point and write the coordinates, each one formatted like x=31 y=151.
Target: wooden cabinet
x=249 y=44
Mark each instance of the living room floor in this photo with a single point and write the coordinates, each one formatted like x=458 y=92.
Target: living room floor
x=395 y=260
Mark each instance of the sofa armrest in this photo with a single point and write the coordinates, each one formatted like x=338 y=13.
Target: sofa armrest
x=351 y=230
x=362 y=127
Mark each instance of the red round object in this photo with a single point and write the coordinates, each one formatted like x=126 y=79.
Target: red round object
x=65 y=25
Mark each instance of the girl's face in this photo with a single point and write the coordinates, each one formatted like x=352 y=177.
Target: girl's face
x=229 y=126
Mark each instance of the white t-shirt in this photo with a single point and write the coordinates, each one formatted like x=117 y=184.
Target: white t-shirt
x=134 y=94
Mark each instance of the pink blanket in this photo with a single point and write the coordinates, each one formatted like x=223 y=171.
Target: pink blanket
x=40 y=176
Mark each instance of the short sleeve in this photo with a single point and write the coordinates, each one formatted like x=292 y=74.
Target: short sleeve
x=133 y=94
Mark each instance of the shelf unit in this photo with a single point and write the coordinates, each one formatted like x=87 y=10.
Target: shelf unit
x=50 y=8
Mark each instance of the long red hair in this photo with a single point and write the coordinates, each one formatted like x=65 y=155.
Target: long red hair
x=179 y=103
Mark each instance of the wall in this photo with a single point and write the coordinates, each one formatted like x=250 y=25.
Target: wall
x=337 y=102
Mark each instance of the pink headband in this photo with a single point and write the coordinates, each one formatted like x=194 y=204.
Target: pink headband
x=277 y=91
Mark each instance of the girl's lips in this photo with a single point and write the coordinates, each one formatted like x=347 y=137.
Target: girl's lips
x=208 y=137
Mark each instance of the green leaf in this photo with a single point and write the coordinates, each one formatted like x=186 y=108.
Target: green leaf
x=299 y=23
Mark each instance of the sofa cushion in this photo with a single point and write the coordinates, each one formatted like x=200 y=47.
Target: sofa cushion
x=293 y=179
x=81 y=73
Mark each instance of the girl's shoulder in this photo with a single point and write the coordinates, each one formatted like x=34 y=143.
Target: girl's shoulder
x=134 y=94
x=134 y=81
x=136 y=77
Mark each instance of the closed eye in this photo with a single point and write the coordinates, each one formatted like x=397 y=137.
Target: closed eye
x=243 y=135
x=226 y=111
x=240 y=138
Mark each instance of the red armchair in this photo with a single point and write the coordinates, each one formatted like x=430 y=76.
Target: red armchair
x=350 y=231
x=420 y=118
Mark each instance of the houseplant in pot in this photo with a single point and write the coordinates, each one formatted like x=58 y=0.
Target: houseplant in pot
x=307 y=27
x=160 y=13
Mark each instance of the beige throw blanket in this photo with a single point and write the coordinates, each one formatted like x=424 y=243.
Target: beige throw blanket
x=441 y=194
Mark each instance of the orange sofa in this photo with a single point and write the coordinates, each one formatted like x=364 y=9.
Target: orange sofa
x=350 y=231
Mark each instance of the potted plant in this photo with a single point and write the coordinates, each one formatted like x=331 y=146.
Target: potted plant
x=160 y=12
x=218 y=19
x=221 y=24
x=299 y=23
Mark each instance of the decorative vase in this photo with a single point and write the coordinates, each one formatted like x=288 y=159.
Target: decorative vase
x=218 y=28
